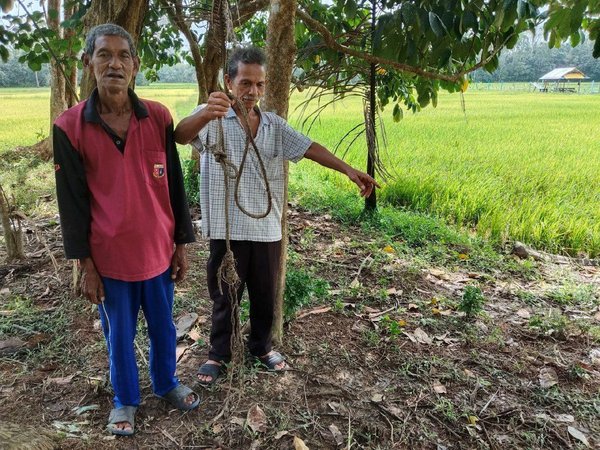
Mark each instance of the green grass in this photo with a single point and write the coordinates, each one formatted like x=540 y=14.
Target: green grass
x=25 y=117
x=517 y=165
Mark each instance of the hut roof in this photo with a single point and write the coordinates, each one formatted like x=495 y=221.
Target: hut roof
x=564 y=74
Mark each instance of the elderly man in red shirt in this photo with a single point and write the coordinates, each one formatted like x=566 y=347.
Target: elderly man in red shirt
x=124 y=217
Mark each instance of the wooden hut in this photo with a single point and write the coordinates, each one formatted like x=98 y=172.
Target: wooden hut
x=562 y=80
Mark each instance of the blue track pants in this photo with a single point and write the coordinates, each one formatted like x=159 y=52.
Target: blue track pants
x=119 y=314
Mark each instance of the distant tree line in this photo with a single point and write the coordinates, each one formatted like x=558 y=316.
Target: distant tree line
x=16 y=74
x=530 y=59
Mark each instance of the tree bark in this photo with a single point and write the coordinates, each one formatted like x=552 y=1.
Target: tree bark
x=11 y=224
x=128 y=14
x=58 y=99
x=281 y=53
x=175 y=12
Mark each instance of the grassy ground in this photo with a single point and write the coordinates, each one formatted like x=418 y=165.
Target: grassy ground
x=389 y=351
x=517 y=165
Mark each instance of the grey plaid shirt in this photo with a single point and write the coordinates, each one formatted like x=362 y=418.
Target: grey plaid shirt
x=276 y=141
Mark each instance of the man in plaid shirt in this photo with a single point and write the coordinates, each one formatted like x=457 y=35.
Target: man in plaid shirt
x=256 y=243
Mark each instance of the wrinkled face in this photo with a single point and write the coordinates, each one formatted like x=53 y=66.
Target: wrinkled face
x=248 y=85
x=112 y=63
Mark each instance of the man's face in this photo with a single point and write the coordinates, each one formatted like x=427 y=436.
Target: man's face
x=112 y=63
x=248 y=85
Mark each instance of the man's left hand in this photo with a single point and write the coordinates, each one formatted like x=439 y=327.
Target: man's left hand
x=179 y=263
x=365 y=183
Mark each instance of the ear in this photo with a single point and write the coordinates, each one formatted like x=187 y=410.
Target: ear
x=227 y=81
x=85 y=59
x=136 y=66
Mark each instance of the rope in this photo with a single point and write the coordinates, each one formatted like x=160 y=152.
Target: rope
x=227 y=272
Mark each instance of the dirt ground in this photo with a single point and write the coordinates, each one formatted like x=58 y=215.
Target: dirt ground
x=385 y=360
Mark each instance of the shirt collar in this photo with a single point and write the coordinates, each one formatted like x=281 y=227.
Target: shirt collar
x=90 y=113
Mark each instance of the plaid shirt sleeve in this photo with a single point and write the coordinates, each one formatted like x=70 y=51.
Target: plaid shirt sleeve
x=294 y=143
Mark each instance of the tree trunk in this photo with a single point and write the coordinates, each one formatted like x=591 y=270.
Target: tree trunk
x=281 y=53
x=128 y=14
x=175 y=12
x=371 y=200
x=11 y=225
x=58 y=97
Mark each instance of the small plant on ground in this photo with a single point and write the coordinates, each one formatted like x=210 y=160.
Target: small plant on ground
x=191 y=181
x=472 y=301
x=300 y=287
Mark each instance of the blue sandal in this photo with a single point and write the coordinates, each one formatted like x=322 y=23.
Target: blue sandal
x=122 y=414
x=176 y=397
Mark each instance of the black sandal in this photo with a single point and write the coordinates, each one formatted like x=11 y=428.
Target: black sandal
x=271 y=360
x=210 y=370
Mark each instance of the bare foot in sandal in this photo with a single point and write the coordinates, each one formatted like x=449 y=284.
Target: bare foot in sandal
x=209 y=372
x=273 y=361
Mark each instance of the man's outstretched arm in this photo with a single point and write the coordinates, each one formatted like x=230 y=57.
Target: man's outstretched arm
x=319 y=154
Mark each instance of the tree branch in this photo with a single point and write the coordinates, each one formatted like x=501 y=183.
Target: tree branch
x=331 y=42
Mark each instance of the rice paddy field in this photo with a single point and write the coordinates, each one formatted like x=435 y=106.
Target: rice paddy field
x=514 y=165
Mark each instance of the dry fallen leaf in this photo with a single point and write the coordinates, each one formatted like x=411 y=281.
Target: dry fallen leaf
x=299 y=444
x=320 y=310
x=337 y=435
x=565 y=418
x=473 y=420
x=257 y=419
x=439 y=274
x=180 y=351
x=185 y=324
x=217 y=428
x=548 y=377
x=523 y=313
x=355 y=284
x=439 y=387
x=60 y=380
x=388 y=249
x=237 y=421
x=413 y=307
x=469 y=373
x=422 y=337
x=595 y=356
x=578 y=435
x=377 y=398
x=281 y=434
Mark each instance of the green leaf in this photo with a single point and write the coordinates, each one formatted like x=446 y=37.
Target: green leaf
x=436 y=24
x=575 y=38
x=34 y=64
x=53 y=14
x=398 y=114
x=4 y=53
x=409 y=14
x=596 y=52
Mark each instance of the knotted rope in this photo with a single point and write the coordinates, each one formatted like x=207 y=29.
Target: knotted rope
x=227 y=272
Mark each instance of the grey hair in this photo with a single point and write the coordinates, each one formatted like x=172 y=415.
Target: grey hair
x=107 y=29
x=245 y=55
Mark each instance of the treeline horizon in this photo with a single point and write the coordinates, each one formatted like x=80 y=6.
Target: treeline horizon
x=527 y=62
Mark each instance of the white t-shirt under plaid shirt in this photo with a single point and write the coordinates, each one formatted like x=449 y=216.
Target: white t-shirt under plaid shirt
x=277 y=142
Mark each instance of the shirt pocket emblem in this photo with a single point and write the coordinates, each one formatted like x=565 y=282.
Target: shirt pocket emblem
x=159 y=171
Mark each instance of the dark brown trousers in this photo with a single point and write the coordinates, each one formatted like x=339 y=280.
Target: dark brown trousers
x=257 y=265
